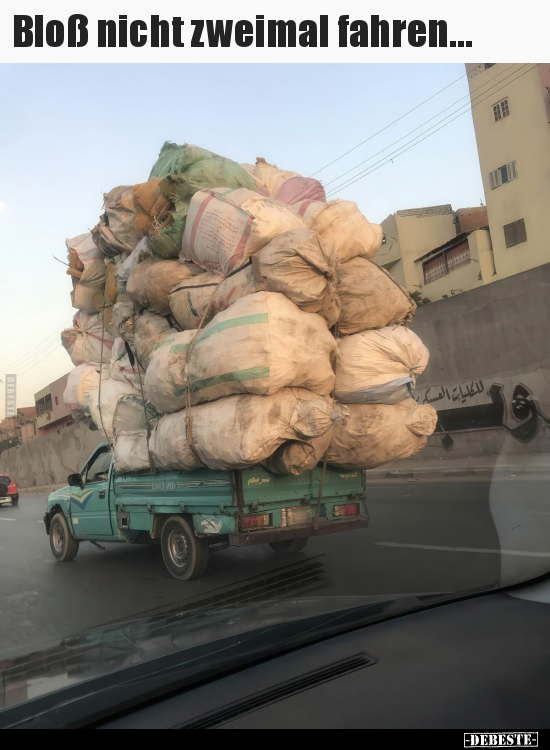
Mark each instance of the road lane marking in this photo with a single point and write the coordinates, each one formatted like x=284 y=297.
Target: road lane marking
x=8 y=519
x=465 y=549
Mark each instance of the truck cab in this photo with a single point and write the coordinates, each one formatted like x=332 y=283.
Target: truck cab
x=192 y=514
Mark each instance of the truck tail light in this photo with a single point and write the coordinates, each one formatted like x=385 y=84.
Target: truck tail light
x=352 y=509
x=254 y=522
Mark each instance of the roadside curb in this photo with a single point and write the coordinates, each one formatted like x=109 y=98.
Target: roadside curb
x=434 y=471
x=42 y=490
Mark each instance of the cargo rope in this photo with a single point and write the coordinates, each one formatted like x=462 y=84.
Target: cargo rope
x=100 y=379
x=188 y=415
x=152 y=464
x=324 y=469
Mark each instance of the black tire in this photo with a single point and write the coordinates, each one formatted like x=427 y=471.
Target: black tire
x=185 y=555
x=63 y=545
x=15 y=500
x=289 y=546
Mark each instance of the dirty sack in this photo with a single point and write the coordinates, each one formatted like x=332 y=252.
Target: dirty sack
x=244 y=430
x=374 y=434
x=341 y=224
x=225 y=227
x=379 y=366
x=294 y=263
x=87 y=341
x=261 y=343
x=370 y=297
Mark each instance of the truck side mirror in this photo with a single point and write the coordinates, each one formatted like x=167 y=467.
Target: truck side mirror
x=75 y=480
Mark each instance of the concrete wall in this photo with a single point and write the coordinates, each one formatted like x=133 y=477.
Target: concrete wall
x=489 y=370
x=49 y=460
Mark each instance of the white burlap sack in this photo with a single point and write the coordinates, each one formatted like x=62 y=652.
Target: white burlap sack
x=260 y=344
x=132 y=413
x=340 y=224
x=370 y=297
x=141 y=252
x=151 y=281
x=379 y=367
x=117 y=232
x=91 y=258
x=240 y=431
x=377 y=433
x=103 y=403
x=131 y=453
x=294 y=263
x=122 y=319
x=81 y=382
x=121 y=367
x=260 y=187
x=83 y=297
x=84 y=340
x=225 y=227
x=149 y=331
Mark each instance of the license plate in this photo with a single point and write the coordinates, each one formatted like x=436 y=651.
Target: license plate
x=299 y=516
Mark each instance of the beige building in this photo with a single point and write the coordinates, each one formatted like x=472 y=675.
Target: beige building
x=436 y=251
x=513 y=139
x=51 y=412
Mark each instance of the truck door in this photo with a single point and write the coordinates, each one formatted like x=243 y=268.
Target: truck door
x=90 y=507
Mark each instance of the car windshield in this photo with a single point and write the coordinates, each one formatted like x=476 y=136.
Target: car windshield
x=321 y=375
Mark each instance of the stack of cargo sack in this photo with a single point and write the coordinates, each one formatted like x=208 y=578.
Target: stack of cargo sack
x=237 y=318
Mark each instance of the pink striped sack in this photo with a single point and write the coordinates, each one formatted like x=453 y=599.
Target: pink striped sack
x=225 y=227
x=84 y=340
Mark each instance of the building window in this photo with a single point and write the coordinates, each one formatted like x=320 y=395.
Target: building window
x=56 y=401
x=515 y=233
x=501 y=110
x=446 y=262
x=503 y=174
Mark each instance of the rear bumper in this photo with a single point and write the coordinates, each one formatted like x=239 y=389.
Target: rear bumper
x=267 y=536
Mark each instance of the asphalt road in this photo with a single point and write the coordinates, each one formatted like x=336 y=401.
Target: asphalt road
x=424 y=536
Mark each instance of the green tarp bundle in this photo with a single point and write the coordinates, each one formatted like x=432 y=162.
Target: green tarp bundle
x=190 y=169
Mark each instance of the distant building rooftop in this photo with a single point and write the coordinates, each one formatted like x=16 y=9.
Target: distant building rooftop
x=420 y=213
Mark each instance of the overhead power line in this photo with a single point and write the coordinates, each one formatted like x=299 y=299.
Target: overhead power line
x=389 y=125
x=478 y=88
x=36 y=351
x=426 y=122
x=401 y=150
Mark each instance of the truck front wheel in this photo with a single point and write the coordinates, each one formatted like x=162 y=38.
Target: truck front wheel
x=185 y=556
x=62 y=543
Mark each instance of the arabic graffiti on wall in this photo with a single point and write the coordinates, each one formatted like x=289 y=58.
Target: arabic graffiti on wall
x=451 y=395
x=510 y=404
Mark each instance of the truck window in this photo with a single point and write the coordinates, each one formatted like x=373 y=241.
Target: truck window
x=98 y=470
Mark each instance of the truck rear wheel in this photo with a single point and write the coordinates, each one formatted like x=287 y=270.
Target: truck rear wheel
x=185 y=556
x=63 y=545
x=289 y=546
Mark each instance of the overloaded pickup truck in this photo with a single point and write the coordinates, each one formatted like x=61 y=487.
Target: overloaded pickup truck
x=192 y=514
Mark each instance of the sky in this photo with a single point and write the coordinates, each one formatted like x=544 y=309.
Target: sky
x=68 y=133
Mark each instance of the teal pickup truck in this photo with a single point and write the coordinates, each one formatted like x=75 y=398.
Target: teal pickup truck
x=192 y=514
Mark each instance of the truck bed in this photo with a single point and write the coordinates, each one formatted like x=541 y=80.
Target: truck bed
x=217 y=498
